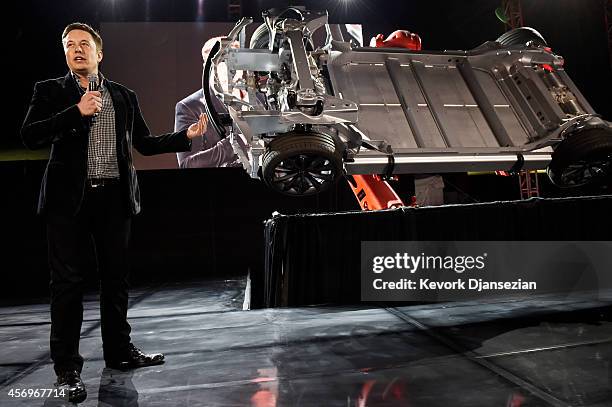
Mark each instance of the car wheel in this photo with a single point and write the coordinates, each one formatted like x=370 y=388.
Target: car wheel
x=522 y=36
x=583 y=158
x=260 y=38
x=302 y=164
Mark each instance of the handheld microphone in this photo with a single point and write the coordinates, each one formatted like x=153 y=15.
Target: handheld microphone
x=93 y=86
x=93 y=82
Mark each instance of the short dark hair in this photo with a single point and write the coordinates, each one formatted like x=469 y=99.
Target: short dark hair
x=85 y=27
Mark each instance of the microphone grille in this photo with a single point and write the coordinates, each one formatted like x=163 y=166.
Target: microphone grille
x=93 y=81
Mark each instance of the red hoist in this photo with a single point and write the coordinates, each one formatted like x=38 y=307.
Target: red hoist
x=373 y=192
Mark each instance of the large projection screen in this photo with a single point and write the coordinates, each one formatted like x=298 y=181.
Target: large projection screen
x=162 y=63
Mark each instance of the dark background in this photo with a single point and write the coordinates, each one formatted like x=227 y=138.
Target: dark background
x=198 y=223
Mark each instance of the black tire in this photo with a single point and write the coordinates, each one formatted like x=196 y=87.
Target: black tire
x=521 y=36
x=260 y=38
x=582 y=159
x=300 y=164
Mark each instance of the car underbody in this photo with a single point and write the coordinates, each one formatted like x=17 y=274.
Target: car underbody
x=313 y=114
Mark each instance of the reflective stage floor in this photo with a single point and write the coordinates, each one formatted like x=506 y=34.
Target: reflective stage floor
x=544 y=351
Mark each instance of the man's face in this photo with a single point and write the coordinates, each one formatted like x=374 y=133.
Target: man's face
x=82 y=55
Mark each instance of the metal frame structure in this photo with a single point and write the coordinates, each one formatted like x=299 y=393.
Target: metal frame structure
x=514 y=13
x=502 y=105
x=527 y=180
x=529 y=184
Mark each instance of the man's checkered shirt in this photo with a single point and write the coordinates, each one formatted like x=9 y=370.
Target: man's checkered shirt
x=102 y=147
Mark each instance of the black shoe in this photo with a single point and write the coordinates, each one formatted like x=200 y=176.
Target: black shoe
x=135 y=358
x=71 y=381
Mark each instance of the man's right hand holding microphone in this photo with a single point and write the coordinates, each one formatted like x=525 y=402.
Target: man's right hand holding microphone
x=90 y=104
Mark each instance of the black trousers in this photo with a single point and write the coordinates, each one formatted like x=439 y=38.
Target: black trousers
x=104 y=220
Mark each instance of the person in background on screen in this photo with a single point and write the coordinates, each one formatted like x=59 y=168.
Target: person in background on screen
x=208 y=151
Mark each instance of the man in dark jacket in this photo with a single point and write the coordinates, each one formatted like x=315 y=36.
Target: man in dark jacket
x=90 y=190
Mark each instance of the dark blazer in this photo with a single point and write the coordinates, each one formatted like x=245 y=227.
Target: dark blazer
x=54 y=119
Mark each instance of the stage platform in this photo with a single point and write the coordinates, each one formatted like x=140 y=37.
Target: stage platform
x=544 y=351
x=316 y=258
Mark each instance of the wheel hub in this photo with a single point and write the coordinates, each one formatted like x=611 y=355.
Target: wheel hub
x=583 y=172
x=303 y=174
